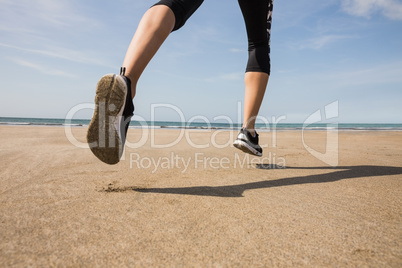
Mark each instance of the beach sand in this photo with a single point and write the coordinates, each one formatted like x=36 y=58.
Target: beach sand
x=60 y=206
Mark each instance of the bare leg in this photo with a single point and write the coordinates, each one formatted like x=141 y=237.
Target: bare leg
x=155 y=26
x=256 y=84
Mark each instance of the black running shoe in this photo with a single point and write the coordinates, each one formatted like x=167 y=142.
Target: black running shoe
x=247 y=143
x=113 y=111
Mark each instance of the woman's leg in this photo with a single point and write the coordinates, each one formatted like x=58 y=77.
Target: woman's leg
x=256 y=83
x=107 y=130
x=257 y=17
x=155 y=26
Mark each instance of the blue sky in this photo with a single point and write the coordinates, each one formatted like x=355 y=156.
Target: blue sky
x=52 y=53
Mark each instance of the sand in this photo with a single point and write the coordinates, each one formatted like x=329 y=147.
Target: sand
x=203 y=207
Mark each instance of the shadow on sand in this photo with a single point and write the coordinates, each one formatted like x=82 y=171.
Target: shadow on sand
x=339 y=173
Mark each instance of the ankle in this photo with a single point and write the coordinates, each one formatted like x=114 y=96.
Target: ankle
x=251 y=131
x=132 y=80
x=133 y=85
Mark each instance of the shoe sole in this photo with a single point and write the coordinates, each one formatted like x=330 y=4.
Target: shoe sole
x=103 y=134
x=243 y=146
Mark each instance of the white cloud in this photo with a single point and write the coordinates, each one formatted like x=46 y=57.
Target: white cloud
x=296 y=13
x=351 y=77
x=61 y=53
x=238 y=76
x=42 y=69
x=55 y=30
x=377 y=75
x=32 y=13
x=237 y=50
x=392 y=9
x=320 y=41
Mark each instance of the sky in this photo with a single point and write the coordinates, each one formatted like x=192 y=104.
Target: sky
x=52 y=53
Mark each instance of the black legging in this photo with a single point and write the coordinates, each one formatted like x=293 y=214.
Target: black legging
x=257 y=16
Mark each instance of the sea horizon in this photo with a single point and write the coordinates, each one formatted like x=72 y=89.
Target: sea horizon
x=24 y=121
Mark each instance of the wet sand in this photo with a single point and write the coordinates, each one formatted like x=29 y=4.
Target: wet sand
x=187 y=206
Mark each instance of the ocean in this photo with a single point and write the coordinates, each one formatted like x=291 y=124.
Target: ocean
x=200 y=125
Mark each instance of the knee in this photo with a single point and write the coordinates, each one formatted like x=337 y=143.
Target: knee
x=182 y=10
